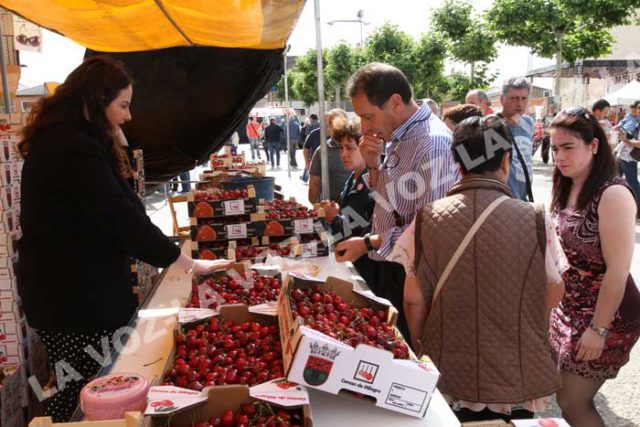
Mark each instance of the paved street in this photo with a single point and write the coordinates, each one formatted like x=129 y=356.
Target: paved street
x=618 y=400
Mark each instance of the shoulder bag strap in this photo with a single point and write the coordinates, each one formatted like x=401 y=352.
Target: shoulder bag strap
x=541 y=228
x=463 y=245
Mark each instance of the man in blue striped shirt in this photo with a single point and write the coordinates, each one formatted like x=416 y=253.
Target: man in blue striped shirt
x=417 y=169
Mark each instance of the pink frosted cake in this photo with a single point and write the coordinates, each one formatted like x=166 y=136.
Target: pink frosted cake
x=109 y=397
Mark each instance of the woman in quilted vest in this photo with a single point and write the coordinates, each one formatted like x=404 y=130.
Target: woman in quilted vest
x=598 y=321
x=487 y=270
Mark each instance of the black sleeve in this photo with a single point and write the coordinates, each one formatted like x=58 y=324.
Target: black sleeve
x=91 y=182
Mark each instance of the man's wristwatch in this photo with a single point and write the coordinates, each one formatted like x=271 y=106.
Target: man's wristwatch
x=367 y=242
x=603 y=332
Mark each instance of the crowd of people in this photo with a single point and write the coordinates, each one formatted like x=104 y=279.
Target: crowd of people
x=512 y=300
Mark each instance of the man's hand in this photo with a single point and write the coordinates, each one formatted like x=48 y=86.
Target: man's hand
x=371 y=147
x=350 y=250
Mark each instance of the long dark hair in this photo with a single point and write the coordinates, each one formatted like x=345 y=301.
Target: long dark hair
x=583 y=124
x=83 y=97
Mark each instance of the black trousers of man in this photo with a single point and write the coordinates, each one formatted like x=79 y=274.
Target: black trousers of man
x=391 y=286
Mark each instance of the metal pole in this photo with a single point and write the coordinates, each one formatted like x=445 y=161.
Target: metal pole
x=324 y=154
x=361 y=40
x=3 y=69
x=286 y=104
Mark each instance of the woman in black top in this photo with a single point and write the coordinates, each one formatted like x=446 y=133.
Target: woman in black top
x=351 y=216
x=81 y=222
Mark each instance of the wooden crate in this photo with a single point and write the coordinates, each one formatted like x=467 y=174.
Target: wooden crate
x=131 y=419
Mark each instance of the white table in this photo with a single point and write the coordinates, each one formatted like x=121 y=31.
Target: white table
x=148 y=349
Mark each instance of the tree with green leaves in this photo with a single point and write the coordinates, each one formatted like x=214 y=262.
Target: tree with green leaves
x=341 y=63
x=467 y=38
x=391 y=45
x=460 y=83
x=428 y=55
x=304 y=78
x=568 y=29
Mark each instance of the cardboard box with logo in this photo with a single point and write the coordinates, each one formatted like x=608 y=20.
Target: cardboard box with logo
x=314 y=359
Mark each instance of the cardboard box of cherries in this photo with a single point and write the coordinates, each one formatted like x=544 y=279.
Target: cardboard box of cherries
x=218 y=202
x=233 y=347
x=237 y=285
x=336 y=338
x=277 y=403
x=288 y=218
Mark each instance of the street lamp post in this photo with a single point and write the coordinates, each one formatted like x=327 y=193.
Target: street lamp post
x=360 y=21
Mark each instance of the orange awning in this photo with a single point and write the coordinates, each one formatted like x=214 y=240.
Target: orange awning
x=139 y=25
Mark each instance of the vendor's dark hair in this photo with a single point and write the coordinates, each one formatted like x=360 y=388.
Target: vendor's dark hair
x=584 y=125
x=83 y=97
x=470 y=139
x=379 y=82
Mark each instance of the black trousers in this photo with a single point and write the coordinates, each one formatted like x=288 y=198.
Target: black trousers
x=391 y=286
x=65 y=351
x=466 y=415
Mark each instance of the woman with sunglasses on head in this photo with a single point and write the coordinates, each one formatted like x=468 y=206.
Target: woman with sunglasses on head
x=598 y=321
x=81 y=222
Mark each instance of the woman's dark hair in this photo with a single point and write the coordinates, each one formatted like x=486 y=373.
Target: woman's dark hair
x=584 y=125
x=461 y=112
x=471 y=139
x=379 y=82
x=83 y=97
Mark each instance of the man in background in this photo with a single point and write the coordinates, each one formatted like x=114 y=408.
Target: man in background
x=479 y=97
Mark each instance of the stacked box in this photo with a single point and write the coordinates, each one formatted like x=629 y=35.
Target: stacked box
x=14 y=350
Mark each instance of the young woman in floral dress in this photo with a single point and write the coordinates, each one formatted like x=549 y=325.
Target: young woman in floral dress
x=598 y=321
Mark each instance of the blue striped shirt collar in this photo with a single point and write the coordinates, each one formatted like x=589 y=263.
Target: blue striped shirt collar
x=423 y=113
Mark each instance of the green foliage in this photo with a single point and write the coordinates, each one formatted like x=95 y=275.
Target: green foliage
x=582 y=26
x=465 y=35
x=460 y=83
x=428 y=56
x=391 y=45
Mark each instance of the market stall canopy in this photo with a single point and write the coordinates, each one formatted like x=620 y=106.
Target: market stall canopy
x=138 y=25
x=198 y=65
x=626 y=95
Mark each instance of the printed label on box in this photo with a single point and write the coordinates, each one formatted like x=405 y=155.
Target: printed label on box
x=6 y=174
x=409 y=398
x=237 y=231
x=163 y=400
x=303 y=226
x=281 y=392
x=309 y=250
x=188 y=315
x=234 y=207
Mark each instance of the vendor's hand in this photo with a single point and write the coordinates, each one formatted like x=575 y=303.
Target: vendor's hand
x=350 y=250
x=204 y=266
x=590 y=346
x=371 y=147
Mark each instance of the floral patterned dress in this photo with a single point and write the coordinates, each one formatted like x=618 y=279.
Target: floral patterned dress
x=580 y=239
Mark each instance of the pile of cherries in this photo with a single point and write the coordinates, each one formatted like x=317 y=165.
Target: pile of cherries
x=287 y=209
x=221 y=352
x=262 y=289
x=212 y=196
x=330 y=314
x=256 y=414
x=250 y=251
